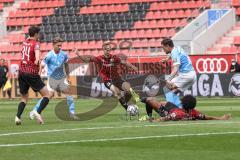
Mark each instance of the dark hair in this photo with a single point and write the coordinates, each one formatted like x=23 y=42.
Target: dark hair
x=57 y=39
x=167 y=42
x=106 y=43
x=188 y=102
x=33 y=30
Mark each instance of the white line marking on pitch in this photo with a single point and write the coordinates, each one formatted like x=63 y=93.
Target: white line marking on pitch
x=117 y=139
x=113 y=127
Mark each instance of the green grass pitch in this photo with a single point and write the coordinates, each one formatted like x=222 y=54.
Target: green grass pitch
x=111 y=137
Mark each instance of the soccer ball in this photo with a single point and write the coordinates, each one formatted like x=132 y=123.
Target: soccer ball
x=132 y=110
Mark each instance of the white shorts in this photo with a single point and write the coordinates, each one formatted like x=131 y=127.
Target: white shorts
x=57 y=84
x=184 y=80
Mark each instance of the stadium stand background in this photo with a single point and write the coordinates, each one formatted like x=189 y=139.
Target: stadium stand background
x=85 y=24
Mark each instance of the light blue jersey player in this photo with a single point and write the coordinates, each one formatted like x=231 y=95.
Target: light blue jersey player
x=57 y=72
x=183 y=74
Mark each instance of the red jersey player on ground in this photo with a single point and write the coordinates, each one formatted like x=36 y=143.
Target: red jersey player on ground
x=170 y=112
x=109 y=74
x=29 y=75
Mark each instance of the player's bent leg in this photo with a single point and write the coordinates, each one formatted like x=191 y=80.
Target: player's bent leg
x=172 y=97
x=31 y=114
x=128 y=89
x=117 y=93
x=150 y=104
x=36 y=107
x=44 y=102
x=71 y=105
x=21 y=107
x=64 y=87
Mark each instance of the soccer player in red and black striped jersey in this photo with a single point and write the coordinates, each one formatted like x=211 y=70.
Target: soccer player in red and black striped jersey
x=29 y=75
x=108 y=72
x=170 y=112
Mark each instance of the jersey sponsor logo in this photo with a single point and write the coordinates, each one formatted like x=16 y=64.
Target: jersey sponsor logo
x=212 y=65
x=234 y=85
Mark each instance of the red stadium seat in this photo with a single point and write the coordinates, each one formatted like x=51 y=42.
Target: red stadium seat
x=161 y=24
x=229 y=50
x=236 y=40
x=180 y=13
x=134 y=34
x=238 y=11
x=168 y=23
x=165 y=14
x=160 y=21
x=141 y=33
x=235 y=3
x=173 y=14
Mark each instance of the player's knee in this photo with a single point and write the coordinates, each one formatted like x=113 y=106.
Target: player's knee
x=118 y=94
x=149 y=99
x=51 y=94
x=24 y=98
x=44 y=92
x=126 y=86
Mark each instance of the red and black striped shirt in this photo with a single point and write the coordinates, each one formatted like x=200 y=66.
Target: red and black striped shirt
x=28 y=57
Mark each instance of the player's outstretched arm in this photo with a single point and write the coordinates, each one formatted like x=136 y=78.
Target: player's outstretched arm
x=224 y=117
x=161 y=119
x=84 y=58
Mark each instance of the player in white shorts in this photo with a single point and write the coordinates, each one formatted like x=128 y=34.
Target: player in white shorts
x=183 y=74
x=58 y=72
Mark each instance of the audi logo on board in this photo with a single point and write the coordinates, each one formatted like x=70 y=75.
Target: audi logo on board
x=212 y=65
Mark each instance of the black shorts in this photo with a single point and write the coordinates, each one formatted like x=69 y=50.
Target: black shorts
x=26 y=80
x=164 y=110
x=118 y=83
x=2 y=82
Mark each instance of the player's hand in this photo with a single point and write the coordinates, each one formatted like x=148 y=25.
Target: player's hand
x=76 y=51
x=171 y=85
x=164 y=60
x=226 y=116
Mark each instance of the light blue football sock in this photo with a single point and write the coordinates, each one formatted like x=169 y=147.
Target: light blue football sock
x=172 y=97
x=177 y=101
x=71 y=104
x=37 y=105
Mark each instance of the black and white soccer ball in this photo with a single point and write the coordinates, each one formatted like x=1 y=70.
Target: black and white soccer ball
x=133 y=110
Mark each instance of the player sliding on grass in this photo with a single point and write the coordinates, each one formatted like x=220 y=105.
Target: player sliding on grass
x=58 y=75
x=182 y=76
x=109 y=74
x=170 y=112
x=29 y=75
